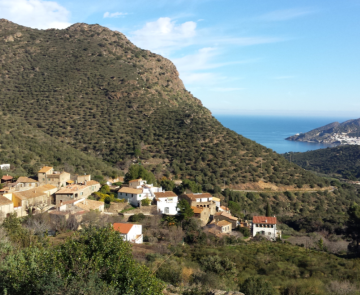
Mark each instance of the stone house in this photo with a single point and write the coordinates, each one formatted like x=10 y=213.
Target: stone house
x=219 y=216
x=166 y=202
x=47 y=175
x=25 y=183
x=130 y=232
x=76 y=191
x=266 y=226
x=36 y=200
x=81 y=178
x=203 y=200
x=203 y=213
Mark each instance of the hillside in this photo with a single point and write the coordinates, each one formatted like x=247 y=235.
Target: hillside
x=93 y=90
x=343 y=160
x=332 y=133
x=28 y=149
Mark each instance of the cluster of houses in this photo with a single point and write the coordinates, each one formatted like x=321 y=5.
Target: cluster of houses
x=58 y=193
x=216 y=219
x=62 y=194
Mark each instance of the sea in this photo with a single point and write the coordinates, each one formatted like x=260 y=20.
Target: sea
x=271 y=131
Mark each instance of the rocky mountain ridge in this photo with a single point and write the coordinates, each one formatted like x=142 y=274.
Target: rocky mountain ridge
x=331 y=133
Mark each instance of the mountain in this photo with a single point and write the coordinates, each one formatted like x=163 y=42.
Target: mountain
x=93 y=90
x=342 y=160
x=28 y=149
x=332 y=133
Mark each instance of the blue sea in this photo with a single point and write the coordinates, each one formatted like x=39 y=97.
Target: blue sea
x=271 y=131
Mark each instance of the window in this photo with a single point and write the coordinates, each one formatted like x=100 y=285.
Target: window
x=166 y=210
x=269 y=234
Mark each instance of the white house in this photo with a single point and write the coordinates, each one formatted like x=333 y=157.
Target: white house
x=137 y=191
x=266 y=226
x=4 y=166
x=130 y=232
x=166 y=203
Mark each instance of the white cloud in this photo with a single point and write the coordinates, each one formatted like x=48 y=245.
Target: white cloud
x=35 y=13
x=164 y=35
x=114 y=14
x=285 y=14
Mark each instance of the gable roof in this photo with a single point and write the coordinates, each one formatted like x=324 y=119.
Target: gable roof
x=7 y=177
x=122 y=228
x=31 y=193
x=48 y=186
x=193 y=197
x=227 y=215
x=225 y=208
x=129 y=190
x=5 y=201
x=264 y=220
x=168 y=194
x=45 y=169
x=135 y=180
x=89 y=205
x=197 y=210
x=25 y=179
x=71 y=189
x=223 y=223
x=92 y=182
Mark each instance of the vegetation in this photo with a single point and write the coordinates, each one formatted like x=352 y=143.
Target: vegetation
x=96 y=260
x=341 y=160
x=91 y=89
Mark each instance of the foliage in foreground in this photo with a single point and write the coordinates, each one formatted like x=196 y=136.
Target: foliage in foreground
x=97 y=261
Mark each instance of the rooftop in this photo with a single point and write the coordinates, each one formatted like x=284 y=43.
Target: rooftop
x=223 y=223
x=197 y=210
x=89 y=205
x=198 y=196
x=135 y=180
x=45 y=169
x=264 y=220
x=129 y=190
x=5 y=201
x=31 y=193
x=71 y=189
x=24 y=179
x=168 y=194
x=7 y=177
x=92 y=182
x=122 y=228
x=227 y=215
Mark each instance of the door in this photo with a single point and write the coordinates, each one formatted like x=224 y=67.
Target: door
x=166 y=210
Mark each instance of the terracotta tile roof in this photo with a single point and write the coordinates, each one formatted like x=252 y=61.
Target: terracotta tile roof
x=45 y=169
x=168 y=194
x=197 y=210
x=228 y=215
x=129 y=190
x=5 y=189
x=24 y=179
x=92 y=182
x=89 y=205
x=264 y=220
x=4 y=201
x=31 y=193
x=122 y=228
x=7 y=177
x=48 y=186
x=225 y=208
x=71 y=189
x=135 y=180
x=66 y=203
x=198 y=196
x=223 y=223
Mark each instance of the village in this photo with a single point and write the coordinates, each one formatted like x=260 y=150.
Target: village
x=63 y=195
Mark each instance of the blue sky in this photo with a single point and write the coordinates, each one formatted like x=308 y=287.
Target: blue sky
x=239 y=57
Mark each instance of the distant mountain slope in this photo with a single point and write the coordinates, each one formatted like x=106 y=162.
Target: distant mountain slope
x=344 y=160
x=28 y=148
x=326 y=133
x=92 y=89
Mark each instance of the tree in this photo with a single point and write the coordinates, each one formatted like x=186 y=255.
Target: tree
x=145 y=202
x=257 y=286
x=268 y=210
x=353 y=225
x=186 y=211
x=167 y=185
x=138 y=171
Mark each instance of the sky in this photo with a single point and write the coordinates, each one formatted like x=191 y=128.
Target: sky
x=264 y=57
